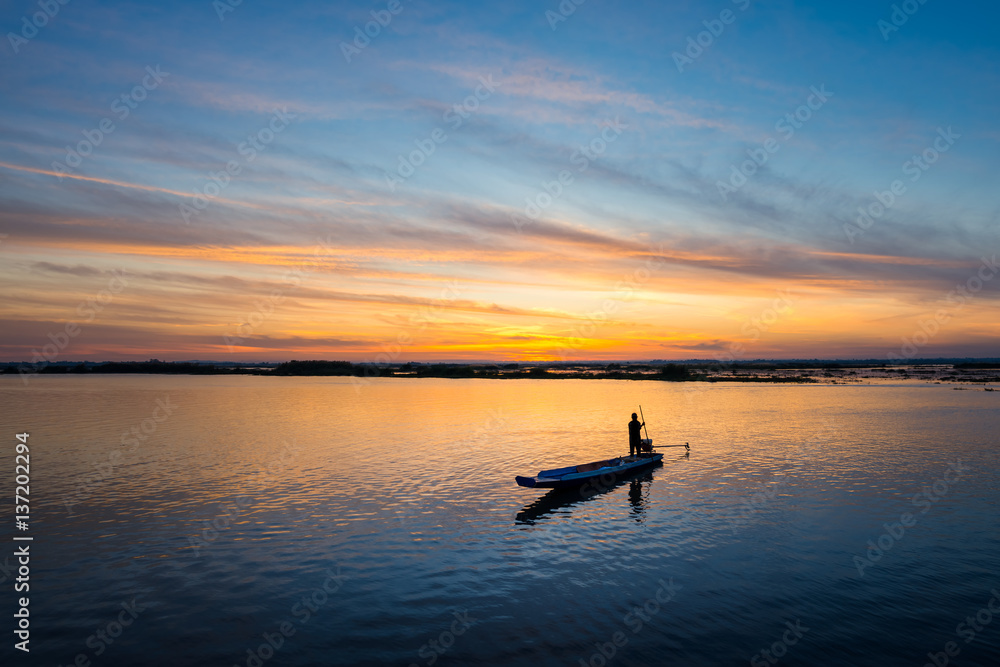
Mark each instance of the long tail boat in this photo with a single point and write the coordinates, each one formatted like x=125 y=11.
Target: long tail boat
x=569 y=476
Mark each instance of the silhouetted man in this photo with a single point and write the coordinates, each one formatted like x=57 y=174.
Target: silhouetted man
x=635 y=435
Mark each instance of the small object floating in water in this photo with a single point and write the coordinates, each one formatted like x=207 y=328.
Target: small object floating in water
x=571 y=476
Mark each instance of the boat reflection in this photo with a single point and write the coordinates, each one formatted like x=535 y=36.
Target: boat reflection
x=557 y=499
x=636 y=499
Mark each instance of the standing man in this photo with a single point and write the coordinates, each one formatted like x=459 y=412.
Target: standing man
x=635 y=435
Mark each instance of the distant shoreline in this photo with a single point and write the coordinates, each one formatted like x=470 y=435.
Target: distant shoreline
x=980 y=372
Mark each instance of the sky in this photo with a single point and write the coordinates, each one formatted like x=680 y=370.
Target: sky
x=398 y=181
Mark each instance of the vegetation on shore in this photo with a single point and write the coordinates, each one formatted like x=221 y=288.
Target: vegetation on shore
x=614 y=371
x=699 y=371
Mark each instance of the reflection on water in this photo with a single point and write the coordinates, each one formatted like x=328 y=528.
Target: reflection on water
x=561 y=500
x=635 y=498
x=372 y=520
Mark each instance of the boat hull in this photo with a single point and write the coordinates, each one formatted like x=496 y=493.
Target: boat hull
x=572 y=476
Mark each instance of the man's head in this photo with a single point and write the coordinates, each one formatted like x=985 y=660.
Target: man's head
x=635 y=416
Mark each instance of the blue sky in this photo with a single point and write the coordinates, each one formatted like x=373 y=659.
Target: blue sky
x=528 y=290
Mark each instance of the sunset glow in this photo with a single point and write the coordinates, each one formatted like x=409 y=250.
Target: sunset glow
x=490 y=183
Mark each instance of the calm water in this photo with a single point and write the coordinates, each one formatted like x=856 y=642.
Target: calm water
x=381 y=524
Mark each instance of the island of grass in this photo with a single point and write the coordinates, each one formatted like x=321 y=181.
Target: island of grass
x=791 y=371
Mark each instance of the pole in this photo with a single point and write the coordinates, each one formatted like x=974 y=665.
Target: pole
x=643 y=422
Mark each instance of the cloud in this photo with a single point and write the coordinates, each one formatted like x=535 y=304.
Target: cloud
x=79 y=270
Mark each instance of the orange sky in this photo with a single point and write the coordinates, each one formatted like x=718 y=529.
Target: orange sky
x=509 y=192
x=525 y=297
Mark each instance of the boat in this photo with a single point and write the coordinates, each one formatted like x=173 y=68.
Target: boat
x=558 y=500
x=570 y=476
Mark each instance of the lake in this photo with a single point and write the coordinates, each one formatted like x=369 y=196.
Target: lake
x=316 y=521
